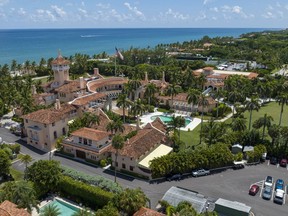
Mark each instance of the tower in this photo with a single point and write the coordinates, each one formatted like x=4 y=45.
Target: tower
x=60 y=67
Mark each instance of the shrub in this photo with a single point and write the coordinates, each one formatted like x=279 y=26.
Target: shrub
x=99 y=181
x=130 y=134
x=238 y=156
x=222 y=110
x=89 y=195
x=15 y=148
x=103 y=163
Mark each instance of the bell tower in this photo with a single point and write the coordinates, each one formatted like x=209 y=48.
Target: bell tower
x=60 y=67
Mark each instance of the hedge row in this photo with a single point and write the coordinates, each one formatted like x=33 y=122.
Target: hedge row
x=89 y=195
x=98 y=181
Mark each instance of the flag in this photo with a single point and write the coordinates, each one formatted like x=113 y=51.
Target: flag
x=119 y=54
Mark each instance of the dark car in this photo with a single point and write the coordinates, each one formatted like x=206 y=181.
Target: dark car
x=267 y=193
x=175 y=177
x=283 y=162
x=253 y=190
x=279 y=184
x=273 y=160
x=238 y=166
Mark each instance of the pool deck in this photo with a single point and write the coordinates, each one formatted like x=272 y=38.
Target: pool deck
x=191 y=126
x=51 y=199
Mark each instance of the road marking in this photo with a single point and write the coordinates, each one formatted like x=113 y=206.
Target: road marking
x=277 y=165
x=262 y=187
x=284 y=198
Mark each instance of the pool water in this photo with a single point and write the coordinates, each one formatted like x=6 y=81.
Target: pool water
x=167 y=119
x=65 y=208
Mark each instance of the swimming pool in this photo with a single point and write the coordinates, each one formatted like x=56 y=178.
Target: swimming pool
x=167 y=119
x=65 y=208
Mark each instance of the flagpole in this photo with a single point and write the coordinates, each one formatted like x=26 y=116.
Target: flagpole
x=115 y=64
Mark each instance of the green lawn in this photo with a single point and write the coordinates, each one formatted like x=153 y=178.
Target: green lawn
x=191 y=138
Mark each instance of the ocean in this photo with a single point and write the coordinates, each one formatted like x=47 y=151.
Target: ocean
x=33 y=44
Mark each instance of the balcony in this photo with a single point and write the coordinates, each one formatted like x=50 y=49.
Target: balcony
x=69 y=141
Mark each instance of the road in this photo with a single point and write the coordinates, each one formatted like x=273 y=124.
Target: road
x=230 y=184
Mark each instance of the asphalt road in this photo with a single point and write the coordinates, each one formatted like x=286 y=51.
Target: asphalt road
x=230 y=184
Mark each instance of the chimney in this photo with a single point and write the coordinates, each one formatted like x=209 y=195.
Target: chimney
x=146 y=76
x=34 y=91
x=81 y=80
x=163 y=77
x=57 y=104
x=138 y=123
x=96 y=71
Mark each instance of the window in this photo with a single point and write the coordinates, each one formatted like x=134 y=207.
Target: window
x=123 y=166
x=80 y=139
x=55 y=134
x=85 y=141
x=26 y=120
x=131 y=168
x=45 y=144
x=63 y=131
x=90 y=142
x=53 y=124
x=45 y=125
x=116 y=164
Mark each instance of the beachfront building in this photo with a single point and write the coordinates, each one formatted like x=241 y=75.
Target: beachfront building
x=215 y=78
x=8 y=208
x=45 y=126
x=137 y=152
x=88 y=143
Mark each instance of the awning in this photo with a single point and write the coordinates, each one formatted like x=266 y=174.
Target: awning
x=161 y=150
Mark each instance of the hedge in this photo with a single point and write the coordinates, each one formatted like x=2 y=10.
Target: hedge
x=89 y=195
x=98 y=181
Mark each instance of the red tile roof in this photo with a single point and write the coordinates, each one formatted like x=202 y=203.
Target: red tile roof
x=80 y=101
x=157 y=123
x=90 y=133
x=70 y=86
x=60 y=61
x=147 y=212
x=145 y=140
x=48 y=116
x=93 y=85
x=8 y=208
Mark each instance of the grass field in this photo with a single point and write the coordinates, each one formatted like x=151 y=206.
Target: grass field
x=191 y=138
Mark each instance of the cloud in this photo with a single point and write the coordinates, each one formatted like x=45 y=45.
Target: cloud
x=59 y=12
x=103 y=6
x=268 y=15
x=21 y=12
x=3 y=2
x=43 y=15
x=175 y=15
x=235 y=10
x=83 y=12
x=135 y=11
x=205 y=2
x=215 y=9
x=202 y=16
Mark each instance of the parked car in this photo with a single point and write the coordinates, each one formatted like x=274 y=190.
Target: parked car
x=273 y=160
x=279 y=196
x=200 y=172
x=268 y=181
x=283 y=162
x=279 y=184
x=175 y=177
x=238 y=166
x=253 y=190
x=267 y=193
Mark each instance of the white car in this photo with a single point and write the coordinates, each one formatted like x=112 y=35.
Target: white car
x=279 y=196
x=268 y=181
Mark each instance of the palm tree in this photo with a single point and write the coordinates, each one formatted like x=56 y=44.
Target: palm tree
x=117 y=143
x=124 y=102
x=193 y=97
x=213 y=132
x=203 y=102
x=274 y=133
x=172 y=90
x=238 y=124
x=50 y=210
x=135 y=84
x=282 y=100
x=26 y=159
x=251 y=105
x=176 y=123
x=234 y=96
x=137 y=108
x=150 y=91
x=115 y=126
x=219 y=93
x=83 y=212
x=264 y=122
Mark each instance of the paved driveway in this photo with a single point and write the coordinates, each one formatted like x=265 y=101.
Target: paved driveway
x=231 y=184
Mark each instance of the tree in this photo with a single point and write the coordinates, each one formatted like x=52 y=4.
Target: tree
x=172 y=90
x=274 y=132
x=26 y=159
x=117 y=144
x=176 y=123
x=50 y=210
x=203 y=102
x=193 y=97
x=21 y=193
x=115 y=126
x=213 y=132
x=124 y=102
x=150 y=91
x=264 y=122
x=5 y=163
x=130 y=200
x=44 y=174
x=238 y=124
x=137 y=108
x=282 y=99
x=252 y=104
x=109 y=209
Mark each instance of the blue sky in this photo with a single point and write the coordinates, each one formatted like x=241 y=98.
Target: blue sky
x=143 y=13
